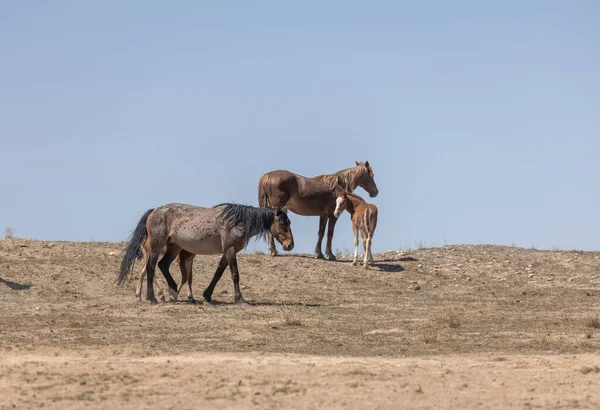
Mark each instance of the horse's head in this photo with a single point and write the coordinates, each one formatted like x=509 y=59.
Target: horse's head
x=341 y=199
x=367 y=179
x=282 y=230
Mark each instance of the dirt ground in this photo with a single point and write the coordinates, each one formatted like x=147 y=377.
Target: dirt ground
x=452 y=327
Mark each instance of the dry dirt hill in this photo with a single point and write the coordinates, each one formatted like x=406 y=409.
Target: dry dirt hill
x=459 y=326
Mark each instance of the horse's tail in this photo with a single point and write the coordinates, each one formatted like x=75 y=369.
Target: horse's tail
x=263 y=197
x=133 y=250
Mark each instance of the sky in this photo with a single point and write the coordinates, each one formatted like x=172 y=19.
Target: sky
x=481 y=119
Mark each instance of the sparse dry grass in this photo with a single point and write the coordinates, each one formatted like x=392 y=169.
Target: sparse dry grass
x=430 y=335
x=593 y=321
x=451 y=316
x=289 y=317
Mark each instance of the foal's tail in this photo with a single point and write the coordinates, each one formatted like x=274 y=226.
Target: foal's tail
x=133 y=250
x=263 y=198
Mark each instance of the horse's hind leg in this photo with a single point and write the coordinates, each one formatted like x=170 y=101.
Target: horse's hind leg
x=170 y=255
x=150 y=269
x=218 y=273
x=368 y=256
x=365 y=240
x=186 y=261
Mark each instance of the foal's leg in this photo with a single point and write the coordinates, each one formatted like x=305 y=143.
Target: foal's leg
x=368 y=255
x=355 y=229
x=170 y=255
x=218 y=273
x=328 y=253
x=371 y=259
x=363 y=235
x=272 y=246
x=235 y=275
x=186 y=260
x=138 y=289
x=322 y=225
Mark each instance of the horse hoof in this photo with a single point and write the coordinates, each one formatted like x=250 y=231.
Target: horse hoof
x=354 y=263
x=192 y=301
x=242 y=302
x=154 y=302
x=207 y=297
x=320 y=256
x=331 y=258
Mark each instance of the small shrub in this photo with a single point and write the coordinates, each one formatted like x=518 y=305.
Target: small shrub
x=9 y=233
x=288 y=317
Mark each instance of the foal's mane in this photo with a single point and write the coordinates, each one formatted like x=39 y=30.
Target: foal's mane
x=254 y=221
x=352 y=194
x=347 y=178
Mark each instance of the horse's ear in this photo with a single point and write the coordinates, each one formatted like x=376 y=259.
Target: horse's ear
x=367 y=164
x=357 y=163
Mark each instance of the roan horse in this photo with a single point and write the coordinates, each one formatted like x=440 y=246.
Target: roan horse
x=224 y=229
x=364 y=220
x=312 y=196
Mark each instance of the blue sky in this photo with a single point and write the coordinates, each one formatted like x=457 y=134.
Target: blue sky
x=481 y=119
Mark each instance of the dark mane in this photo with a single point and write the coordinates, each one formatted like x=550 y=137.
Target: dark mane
x=254 y=221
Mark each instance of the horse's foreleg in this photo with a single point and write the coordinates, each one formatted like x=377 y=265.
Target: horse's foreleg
x=328 y=253
x=218 y=273
x=235 y=275
x=322 y=225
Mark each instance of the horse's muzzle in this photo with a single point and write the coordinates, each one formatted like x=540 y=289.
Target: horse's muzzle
x=374 y=194
x=288 y=247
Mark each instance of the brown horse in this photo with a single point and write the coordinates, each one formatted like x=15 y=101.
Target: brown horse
x=364 y=220
x=224 y=229
x=312 y=196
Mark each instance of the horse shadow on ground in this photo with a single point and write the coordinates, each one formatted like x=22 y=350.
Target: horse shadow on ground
x=261 y=303
x=15 y=285
x=388 y=267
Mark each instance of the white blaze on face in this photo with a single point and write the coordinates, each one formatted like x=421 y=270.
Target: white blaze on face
x=338 y=206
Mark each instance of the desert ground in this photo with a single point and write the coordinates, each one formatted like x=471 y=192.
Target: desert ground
x=468 y=326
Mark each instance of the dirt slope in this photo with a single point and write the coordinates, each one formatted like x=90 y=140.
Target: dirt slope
x=457 y=306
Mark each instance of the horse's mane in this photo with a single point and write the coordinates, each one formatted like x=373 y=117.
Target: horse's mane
x=254 y=221
x=347 y=178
